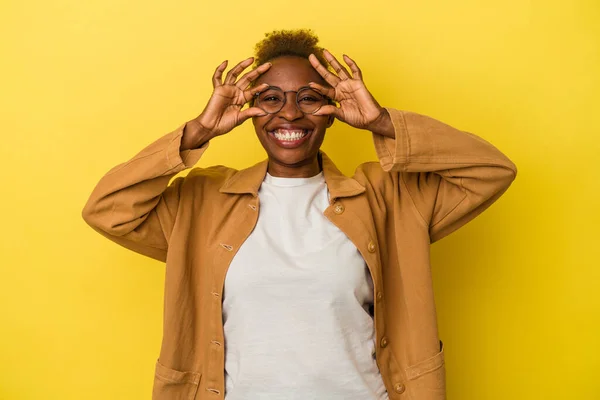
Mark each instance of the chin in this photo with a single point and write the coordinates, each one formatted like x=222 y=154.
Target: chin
x=292 y=158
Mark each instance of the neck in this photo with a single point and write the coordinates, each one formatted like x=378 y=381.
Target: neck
x=305 y=170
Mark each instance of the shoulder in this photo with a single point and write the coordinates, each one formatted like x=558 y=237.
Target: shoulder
x=215 y=172
x=209 y=177
x=371 y=175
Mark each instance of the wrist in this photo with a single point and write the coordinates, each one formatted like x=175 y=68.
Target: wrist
x=194 y=135
x=383 y=125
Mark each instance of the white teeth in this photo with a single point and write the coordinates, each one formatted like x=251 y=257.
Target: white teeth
x=289 y=135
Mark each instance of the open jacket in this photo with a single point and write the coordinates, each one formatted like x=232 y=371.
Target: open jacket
x=431 y=180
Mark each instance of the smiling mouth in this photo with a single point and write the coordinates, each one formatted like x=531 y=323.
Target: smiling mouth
x=290 y=135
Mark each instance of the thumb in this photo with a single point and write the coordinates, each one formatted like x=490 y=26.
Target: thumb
x=250 y=113
x=331 y=110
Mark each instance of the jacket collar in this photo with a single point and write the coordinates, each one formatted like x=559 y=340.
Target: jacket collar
x=249 y=180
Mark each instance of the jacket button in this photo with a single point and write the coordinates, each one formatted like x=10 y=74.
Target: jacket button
x=379 y=295
x=384 y=342
x=371 y=247
x=399 y=388
x=338 y=209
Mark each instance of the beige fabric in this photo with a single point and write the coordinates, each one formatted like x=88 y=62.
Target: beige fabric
x=431 y=180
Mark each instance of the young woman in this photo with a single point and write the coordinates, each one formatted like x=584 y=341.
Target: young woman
x=289 y=280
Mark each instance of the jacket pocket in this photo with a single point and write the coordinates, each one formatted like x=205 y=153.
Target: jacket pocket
x=170 y=384
x=427 y=379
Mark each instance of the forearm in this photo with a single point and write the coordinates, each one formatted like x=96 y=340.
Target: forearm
x=421 y=144
x=129 y=192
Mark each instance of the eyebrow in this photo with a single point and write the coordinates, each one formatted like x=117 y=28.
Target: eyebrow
x=285 y=91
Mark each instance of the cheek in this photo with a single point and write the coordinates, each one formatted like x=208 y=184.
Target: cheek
x=322 y=122
x=259 y=123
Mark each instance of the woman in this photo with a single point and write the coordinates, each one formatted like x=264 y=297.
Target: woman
x=288 y=280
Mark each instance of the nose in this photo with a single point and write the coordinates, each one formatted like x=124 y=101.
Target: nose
x=290 y=110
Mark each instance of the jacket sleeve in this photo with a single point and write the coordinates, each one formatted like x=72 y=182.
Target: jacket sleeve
x=134 y=205
x=449 y=175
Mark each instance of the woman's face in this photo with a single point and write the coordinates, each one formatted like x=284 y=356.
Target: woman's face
x=307 y=131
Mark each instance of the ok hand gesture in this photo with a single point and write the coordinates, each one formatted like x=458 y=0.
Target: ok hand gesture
x=224 y=109
x=357 y=107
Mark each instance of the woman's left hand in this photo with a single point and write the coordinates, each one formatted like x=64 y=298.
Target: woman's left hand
x=357 y=107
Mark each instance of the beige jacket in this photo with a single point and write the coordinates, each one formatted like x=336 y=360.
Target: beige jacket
x=431 y=180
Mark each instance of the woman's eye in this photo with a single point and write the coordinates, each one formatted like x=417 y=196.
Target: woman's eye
x=271 y=99
x=306 y=99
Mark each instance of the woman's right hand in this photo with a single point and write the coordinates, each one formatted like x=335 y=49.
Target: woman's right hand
x=224 y=109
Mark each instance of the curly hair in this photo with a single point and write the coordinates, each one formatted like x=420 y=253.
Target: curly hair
x=297 y=42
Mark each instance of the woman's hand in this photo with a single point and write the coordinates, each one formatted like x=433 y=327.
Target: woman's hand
x=224 y=109
x=357 y=107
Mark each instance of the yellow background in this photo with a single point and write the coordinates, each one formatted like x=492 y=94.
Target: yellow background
x=86 y=84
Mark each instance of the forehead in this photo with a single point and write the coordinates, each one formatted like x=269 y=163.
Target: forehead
x=290 y=73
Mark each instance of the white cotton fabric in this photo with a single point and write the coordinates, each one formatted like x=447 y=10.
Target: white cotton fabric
x=295 y=304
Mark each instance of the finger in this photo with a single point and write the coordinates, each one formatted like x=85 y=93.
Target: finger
x=235 y=71
x=250 y=93
x=252 y=75
x=327 y=91
x=250 y=113
x=356 y=72
x=337 y=67
x=218 y=75
x=328 y=76
x=330 y=110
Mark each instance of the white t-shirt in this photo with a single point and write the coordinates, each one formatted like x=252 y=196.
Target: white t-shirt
x=295 y=304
